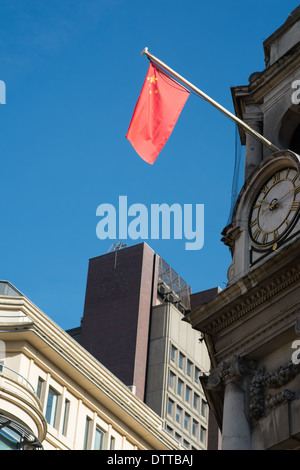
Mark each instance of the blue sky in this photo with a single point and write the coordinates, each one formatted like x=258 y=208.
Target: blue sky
x=73 y=72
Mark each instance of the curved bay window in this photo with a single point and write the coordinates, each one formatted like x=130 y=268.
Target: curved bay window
x=14 y=436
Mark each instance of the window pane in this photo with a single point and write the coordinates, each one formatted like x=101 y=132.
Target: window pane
x=202 y=434
x=51 y=408
x=170 y=406
x=8 y=439
x=169 y=430
x=203 y=408
x=187 y=393
x=196 y=401
x=178 y=414
x=181 y=361
x=179 y=386
x=195 y=428
x=112 y=443
x=173 y=353
x=39 y=387
x=171 y=379
x=186 y=444
x=186 y=421
x=99 y=439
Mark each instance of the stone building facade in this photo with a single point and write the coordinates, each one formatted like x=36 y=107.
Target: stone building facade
x=251 y=328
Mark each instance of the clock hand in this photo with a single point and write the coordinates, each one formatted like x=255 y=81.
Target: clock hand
x=274 y=203
x=291 y=191
x=268 y=208
x=263 y=202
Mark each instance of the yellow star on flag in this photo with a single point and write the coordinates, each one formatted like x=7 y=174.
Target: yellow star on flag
x=153 y=80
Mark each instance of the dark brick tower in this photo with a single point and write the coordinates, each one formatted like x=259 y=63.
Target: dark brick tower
x=115 y=324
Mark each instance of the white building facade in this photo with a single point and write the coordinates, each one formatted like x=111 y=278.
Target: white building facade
x=55 y=395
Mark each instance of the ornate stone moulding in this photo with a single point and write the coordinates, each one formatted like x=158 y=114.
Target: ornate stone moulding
x=261 y=383
x=252 y=300
x=264 y=380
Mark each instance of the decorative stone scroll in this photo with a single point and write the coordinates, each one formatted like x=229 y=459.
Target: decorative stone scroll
x=235 y=368
x=263 y=380
x=272 y=401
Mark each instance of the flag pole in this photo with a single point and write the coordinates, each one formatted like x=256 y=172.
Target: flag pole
x=234 y=118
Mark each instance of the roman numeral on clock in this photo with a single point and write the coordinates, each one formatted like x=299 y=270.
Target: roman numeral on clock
x=256 y=234
x=275 y=234
x=297 y=190
x=295 y=206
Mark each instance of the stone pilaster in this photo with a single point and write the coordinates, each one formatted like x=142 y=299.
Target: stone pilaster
x=235 y=376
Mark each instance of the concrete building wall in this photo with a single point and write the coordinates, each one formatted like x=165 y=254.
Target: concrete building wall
x=176 y=358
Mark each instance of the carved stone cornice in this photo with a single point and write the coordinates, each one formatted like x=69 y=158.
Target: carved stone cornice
x=258 y=288
x=258 y=297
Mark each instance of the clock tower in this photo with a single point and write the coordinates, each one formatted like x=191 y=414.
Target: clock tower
x=251 y=328
x=266 y=214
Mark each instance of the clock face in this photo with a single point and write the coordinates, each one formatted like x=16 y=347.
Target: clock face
x=275 y=208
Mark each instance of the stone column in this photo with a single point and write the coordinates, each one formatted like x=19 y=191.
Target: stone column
x=234 y=378
x=236 y=432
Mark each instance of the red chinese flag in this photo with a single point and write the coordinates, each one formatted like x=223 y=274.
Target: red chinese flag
x=156 y=112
